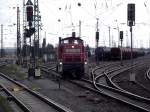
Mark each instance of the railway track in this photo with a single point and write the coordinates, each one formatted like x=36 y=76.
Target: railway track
x=31 y=101
x=8 y=95
x=108 y=75
x=138 y=85
x=100 y=73
x=122 y=96
x=113 y=93
x=148 y=74
x=125 y=96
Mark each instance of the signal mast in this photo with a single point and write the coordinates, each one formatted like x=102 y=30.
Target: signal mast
x=30 y=30
x=97 y=38
x=18 y=37
x=37 y=20
x=131 y=22
x=97 y=33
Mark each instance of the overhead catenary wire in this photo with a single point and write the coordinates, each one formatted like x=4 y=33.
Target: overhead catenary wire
x=103 y=9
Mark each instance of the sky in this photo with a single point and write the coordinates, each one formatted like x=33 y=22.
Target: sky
x=111 y=13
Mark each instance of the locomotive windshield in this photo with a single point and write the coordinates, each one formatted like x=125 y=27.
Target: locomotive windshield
x=71 y=41
x=71 y=50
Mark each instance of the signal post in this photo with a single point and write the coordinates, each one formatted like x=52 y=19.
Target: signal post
x=131 y=22
x=121 y=39
x=97 y=39
x=28 y=33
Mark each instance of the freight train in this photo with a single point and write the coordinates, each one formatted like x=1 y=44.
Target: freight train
x=71 y=58
x=114 y=53
x=102 y=53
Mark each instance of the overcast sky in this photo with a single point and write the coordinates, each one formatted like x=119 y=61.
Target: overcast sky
x=111 y=13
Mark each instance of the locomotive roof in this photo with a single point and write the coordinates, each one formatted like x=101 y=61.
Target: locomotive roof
x=69 y=38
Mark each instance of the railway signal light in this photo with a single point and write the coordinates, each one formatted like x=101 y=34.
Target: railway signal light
x=131 y=22
x=26 y=33
x=131 y=14
x=73 y=34
x=29 y=10
x=59 y=40
x=32 y=30
x=97 y=36
x=79 y=4
x=121 y=35
x=29 y=32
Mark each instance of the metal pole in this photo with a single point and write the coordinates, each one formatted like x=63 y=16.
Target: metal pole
x=131 y=47
x=121 y=54
x=127 y=41
x=80 y=29
x=24 y=46
x=18 y=37
x=97 y=39
x=118 y=35
x=149 y=40
x=1 y=40
x=97 y=29
x=36 y=34
x=109 y=37
x=30 y=51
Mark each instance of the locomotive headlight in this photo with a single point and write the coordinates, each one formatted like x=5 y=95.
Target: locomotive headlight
x=72 y=46
x=60 y=63
x=85 y=62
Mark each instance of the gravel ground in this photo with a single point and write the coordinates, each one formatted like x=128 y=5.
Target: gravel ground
x=73 y=97
x=143 y=79
x=5 y=105
x=123 y=80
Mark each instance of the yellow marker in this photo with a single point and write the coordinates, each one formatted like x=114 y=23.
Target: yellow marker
x=16 y=88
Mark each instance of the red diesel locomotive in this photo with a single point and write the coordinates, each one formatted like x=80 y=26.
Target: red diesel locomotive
x=71 y=57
